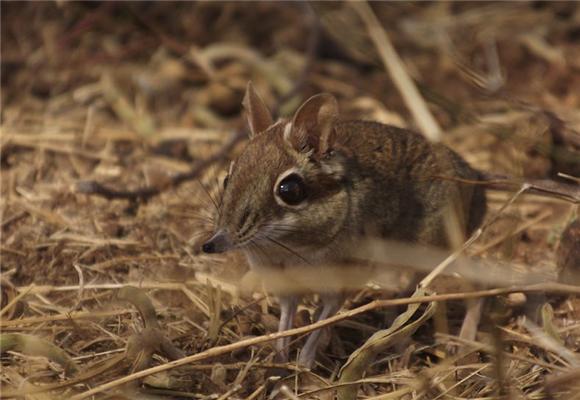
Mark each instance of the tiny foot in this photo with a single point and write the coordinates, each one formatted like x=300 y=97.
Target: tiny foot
x=276 y=378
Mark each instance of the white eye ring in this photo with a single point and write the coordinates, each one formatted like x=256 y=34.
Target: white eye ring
x=281 y=177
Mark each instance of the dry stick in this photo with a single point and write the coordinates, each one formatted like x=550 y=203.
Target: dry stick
x=569 y=177
x=416 y=104
x=557 y=288
x=95 y=188
x=568 y=192
x=254 y=395
x=541 y=187
x=229 y=393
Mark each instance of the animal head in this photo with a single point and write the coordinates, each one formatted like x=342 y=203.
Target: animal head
x=285 y=195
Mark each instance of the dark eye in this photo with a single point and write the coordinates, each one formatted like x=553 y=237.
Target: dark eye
x=292 y=190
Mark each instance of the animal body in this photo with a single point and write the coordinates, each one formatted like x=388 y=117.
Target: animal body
x=306 y=191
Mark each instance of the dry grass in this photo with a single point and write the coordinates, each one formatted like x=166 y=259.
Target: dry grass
x=107 y=297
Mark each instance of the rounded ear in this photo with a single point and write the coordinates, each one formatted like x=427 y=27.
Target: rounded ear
x=313 y=124
x=257 y=114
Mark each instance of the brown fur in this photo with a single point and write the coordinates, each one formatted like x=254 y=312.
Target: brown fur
x=377 y=180
x=363 y=179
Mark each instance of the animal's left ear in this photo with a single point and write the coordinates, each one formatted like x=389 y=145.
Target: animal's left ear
x=257 y=113
x=312 y=127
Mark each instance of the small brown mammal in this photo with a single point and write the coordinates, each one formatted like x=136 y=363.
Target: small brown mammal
x=307 y=190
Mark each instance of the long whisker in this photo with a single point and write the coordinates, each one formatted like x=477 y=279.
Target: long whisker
x=288 y=249
x=191 y=210
x=215 y=204
x=221 y=191
x=187 y=193
x=294 y=229
x=252 y=244
x=196 y=217
x=290 y=229
x=200 y=233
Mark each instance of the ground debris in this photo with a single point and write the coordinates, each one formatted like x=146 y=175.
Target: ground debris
x=119 y=120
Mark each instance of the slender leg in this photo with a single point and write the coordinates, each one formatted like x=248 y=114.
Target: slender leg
x=288 y=306
x=472 y=318
x=331 y=303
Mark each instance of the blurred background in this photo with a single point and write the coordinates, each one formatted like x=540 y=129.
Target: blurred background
x=131 y=94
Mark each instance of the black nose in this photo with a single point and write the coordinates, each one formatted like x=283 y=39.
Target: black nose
x=208 y=247
x=217 y=244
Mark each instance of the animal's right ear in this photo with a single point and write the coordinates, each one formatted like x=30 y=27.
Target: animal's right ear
x=258 y=115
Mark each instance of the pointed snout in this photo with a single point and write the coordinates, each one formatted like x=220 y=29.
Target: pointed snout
x=218 y=243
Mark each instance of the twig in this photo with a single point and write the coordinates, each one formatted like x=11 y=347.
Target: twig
x=225 y=349
x=569 y=177
x=415 y=103
x=144 y=194
x=542 y=187
x=546 y=187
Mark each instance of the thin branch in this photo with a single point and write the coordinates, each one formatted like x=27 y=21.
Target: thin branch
x=144 y=194
x=542 y=187
x=546 y=187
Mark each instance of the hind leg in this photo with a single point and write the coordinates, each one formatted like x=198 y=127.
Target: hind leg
x=331 y=303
